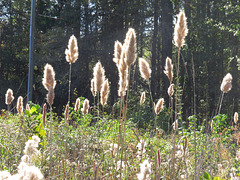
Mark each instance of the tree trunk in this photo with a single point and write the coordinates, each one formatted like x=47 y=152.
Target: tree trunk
x=167 y=37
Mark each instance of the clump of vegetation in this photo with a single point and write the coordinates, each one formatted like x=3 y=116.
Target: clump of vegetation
x=90 y=143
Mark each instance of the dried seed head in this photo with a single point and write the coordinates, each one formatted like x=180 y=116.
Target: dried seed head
x=20 y=105
x=169 y=69
x=99 y=76
x=235 y=117
x=175 y=125
x=44 y=113
x=72 y=51
x=50 y=96
x=77 y=105
x=144 y=68
x=66 y=113
x=9 y=97
x=85 y=107
x=180 y=30
x=131 y=47
x=123 y=75
x=48 y=77
x=159 y=106
x=226 y=85
x=117 y=52
x=104 y=92
x=158 y=159
x=93 y=88
x=28 y=107
x=142 y=100
x=171 y=90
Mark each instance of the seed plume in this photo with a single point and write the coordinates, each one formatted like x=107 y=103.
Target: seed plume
x=226 y=85
x=66 y=113
x=144 y=68
x=169 y=69
x=72 y=51
x=117 y=52
x=131 y=47
x=99 y=76
x=175 y=125
x=159 y=106
x=48 y=77
x=93 y=90
x=9 y=97
x=123 y=75
x=20 y=105
x=180 y=30
x=50 y=96
x=143 y=97
x=104 y=92
x=171 y=90
x=28 y=107
x=77 y=105
x=235 y=117
x=85 y=107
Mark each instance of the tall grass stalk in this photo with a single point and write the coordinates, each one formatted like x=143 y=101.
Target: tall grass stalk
x=69 y=82
x=50 y=141
x=195 y=113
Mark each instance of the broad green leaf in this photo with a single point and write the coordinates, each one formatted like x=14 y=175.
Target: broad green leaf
x=206 y=175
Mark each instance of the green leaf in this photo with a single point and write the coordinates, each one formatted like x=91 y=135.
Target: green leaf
x=216 y=178
x=33 y=109
x=206 y=175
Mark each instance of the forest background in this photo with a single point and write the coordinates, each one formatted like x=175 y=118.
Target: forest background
x=211 y=51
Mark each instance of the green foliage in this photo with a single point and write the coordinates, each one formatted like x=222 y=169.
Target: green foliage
x=219 y=123
x=207 y=176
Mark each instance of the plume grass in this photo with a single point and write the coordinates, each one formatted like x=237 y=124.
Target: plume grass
x=104 y=92
x=48 y=77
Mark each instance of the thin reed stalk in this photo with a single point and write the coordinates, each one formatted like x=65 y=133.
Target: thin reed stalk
x=176 y=115
x=69 y=82
x=50 y=141
x=195 y=113
x=153 y=105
